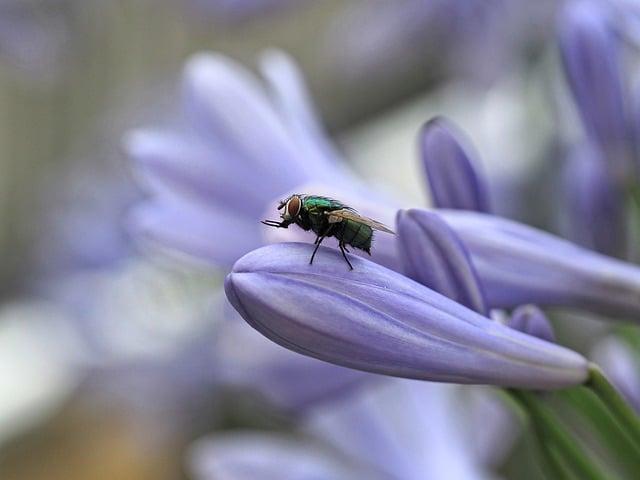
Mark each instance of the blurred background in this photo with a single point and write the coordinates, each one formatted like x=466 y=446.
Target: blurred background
x=113 y=362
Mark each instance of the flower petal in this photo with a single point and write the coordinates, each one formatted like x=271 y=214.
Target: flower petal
x=433 y=255
x=376 y=320
x=450 y=169
x=214 y=236
x=531 y=320
x=591 y=57
x=518 y=264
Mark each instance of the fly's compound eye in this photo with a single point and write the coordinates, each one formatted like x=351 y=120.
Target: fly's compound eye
x=293 y=206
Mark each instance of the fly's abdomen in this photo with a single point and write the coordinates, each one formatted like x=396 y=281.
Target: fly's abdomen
x=356 y=234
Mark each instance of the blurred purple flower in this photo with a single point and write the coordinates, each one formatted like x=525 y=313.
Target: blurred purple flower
x=479 y=38
x=434 y=256
x=211 y=179
x=531 y=320
x=405 y=429
x=592 y=60
x=622 y=365
x=396 y=326
x=518 y=264
x=595 y=210
x=398 y=430
x=451 y=169
x=251 y=455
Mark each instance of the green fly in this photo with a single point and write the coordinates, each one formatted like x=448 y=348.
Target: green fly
x=327 y=217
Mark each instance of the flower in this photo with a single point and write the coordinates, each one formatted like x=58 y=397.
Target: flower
x=395 y=430
x=406 y=429
x=591 y=55
x=451 y=170
x=209 y=182
x=518 y=264
x=376 y=320
x=239 y=151
x=250 y=455
x=211 y=179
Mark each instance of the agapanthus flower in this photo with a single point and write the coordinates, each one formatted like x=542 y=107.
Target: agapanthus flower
x=397 y=430
x=592 y=58
x=212 y=179
x=249 y=455
x=378 y=37
x=376 y=320
x=239 y=152
x=408 y=430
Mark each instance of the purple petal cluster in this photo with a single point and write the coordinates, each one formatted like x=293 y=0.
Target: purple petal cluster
x=377 y=320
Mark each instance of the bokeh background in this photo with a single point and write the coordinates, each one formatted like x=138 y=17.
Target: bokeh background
x=109 y=350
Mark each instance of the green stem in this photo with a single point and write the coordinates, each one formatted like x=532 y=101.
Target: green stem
x=551 y=433
x=610 y=434
x=621 y=411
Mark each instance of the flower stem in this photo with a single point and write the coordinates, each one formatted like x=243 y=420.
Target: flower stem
x=555 y=439
x=621 y=411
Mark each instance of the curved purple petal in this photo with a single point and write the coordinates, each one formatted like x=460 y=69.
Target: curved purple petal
x=531 y=320
x=518 y=264
x=595 y=214
x=211 y=235
x=591 y=57
x=450 y=169
x=434 y=256
x=376 y=320
x=246 y=359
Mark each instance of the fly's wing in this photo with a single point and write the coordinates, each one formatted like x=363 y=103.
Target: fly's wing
x=336 y=216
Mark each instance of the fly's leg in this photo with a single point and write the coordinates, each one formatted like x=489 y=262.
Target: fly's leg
x=342 y=249
x=317 y=242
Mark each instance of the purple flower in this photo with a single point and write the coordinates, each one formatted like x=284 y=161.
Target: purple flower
x=531 y=320
x=451 y=169
x=396 y=430
x=434 y=256
x=518 y=264
x=376 y=320
x=407 y=430
x=591 y=56
x=595 y=206
x=248 y=455
x=212 y=178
